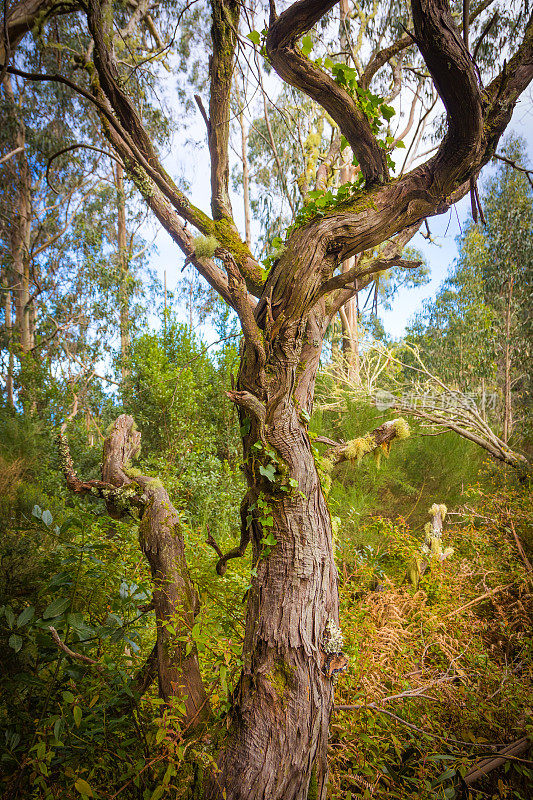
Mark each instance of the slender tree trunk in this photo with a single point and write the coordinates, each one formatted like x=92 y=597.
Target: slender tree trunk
x=21 y=233
x=507 y=403
x=245 y=183
x=277 y=739
x=9 y=336
x=122 y=255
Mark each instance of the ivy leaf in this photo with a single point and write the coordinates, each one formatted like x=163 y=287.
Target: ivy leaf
x=307 y=45
x=56 y=607
x=15 y=642
x=83 y=788
x=387 y=111
x=268 y=472
x=255 y=37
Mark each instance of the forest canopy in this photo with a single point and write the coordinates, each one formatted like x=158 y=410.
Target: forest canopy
x=251 y=545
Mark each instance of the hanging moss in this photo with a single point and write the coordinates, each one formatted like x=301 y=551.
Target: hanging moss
x=401 y=428
x=357 y=448
x=205 y=246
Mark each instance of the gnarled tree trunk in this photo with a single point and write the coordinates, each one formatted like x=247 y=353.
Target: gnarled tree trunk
x=279 y=722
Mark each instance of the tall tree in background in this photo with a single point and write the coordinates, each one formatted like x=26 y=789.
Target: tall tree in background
x=476 y=334
x=277 y=732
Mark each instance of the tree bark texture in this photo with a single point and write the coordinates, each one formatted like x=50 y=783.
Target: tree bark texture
x=279 y=721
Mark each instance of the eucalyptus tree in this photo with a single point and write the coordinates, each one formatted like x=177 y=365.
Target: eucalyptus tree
x=277 y=730
x=72 y=255
x=476 y=334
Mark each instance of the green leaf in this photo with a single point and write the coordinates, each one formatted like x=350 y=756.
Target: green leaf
x=245 y=427
x=37 y=512
x=255 y=37
x=25 y=616
x=10 y=617
x=449 y=773
x=157 y=793
x=47 y=518
x=268 y=472
x=400 y=144
x=268 y=521
x=56 y=607
x=76 y=711
x=83 y=788
x=387 y=111
x=68 y=697
x=15 y=642
x=307 y=45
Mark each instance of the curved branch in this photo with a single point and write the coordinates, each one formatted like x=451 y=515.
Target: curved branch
x=291 y=65
x=69 y=149
x=455 y=78
x=378 y=440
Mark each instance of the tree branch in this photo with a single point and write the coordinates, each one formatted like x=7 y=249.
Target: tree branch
x=225 y=22
x=455 y=78
x=294 y=68
x=160 y=533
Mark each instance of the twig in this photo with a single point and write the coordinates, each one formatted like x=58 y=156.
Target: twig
x=77 y=656
x=478 y=600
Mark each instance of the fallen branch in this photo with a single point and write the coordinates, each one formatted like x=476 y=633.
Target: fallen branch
x=488 y=764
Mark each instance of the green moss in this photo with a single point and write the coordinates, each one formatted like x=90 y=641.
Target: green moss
x=132 y=472
x=401 y=428
x=279 y=677
x=312 y=792
x=205 y=246
x=357 y=448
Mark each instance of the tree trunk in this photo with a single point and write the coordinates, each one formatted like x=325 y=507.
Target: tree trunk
x=122 y=256
x=507 y=404
x=278 y=732
x=175 y=601
x=348 y=313
x=9 y=336
x=20 y=235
